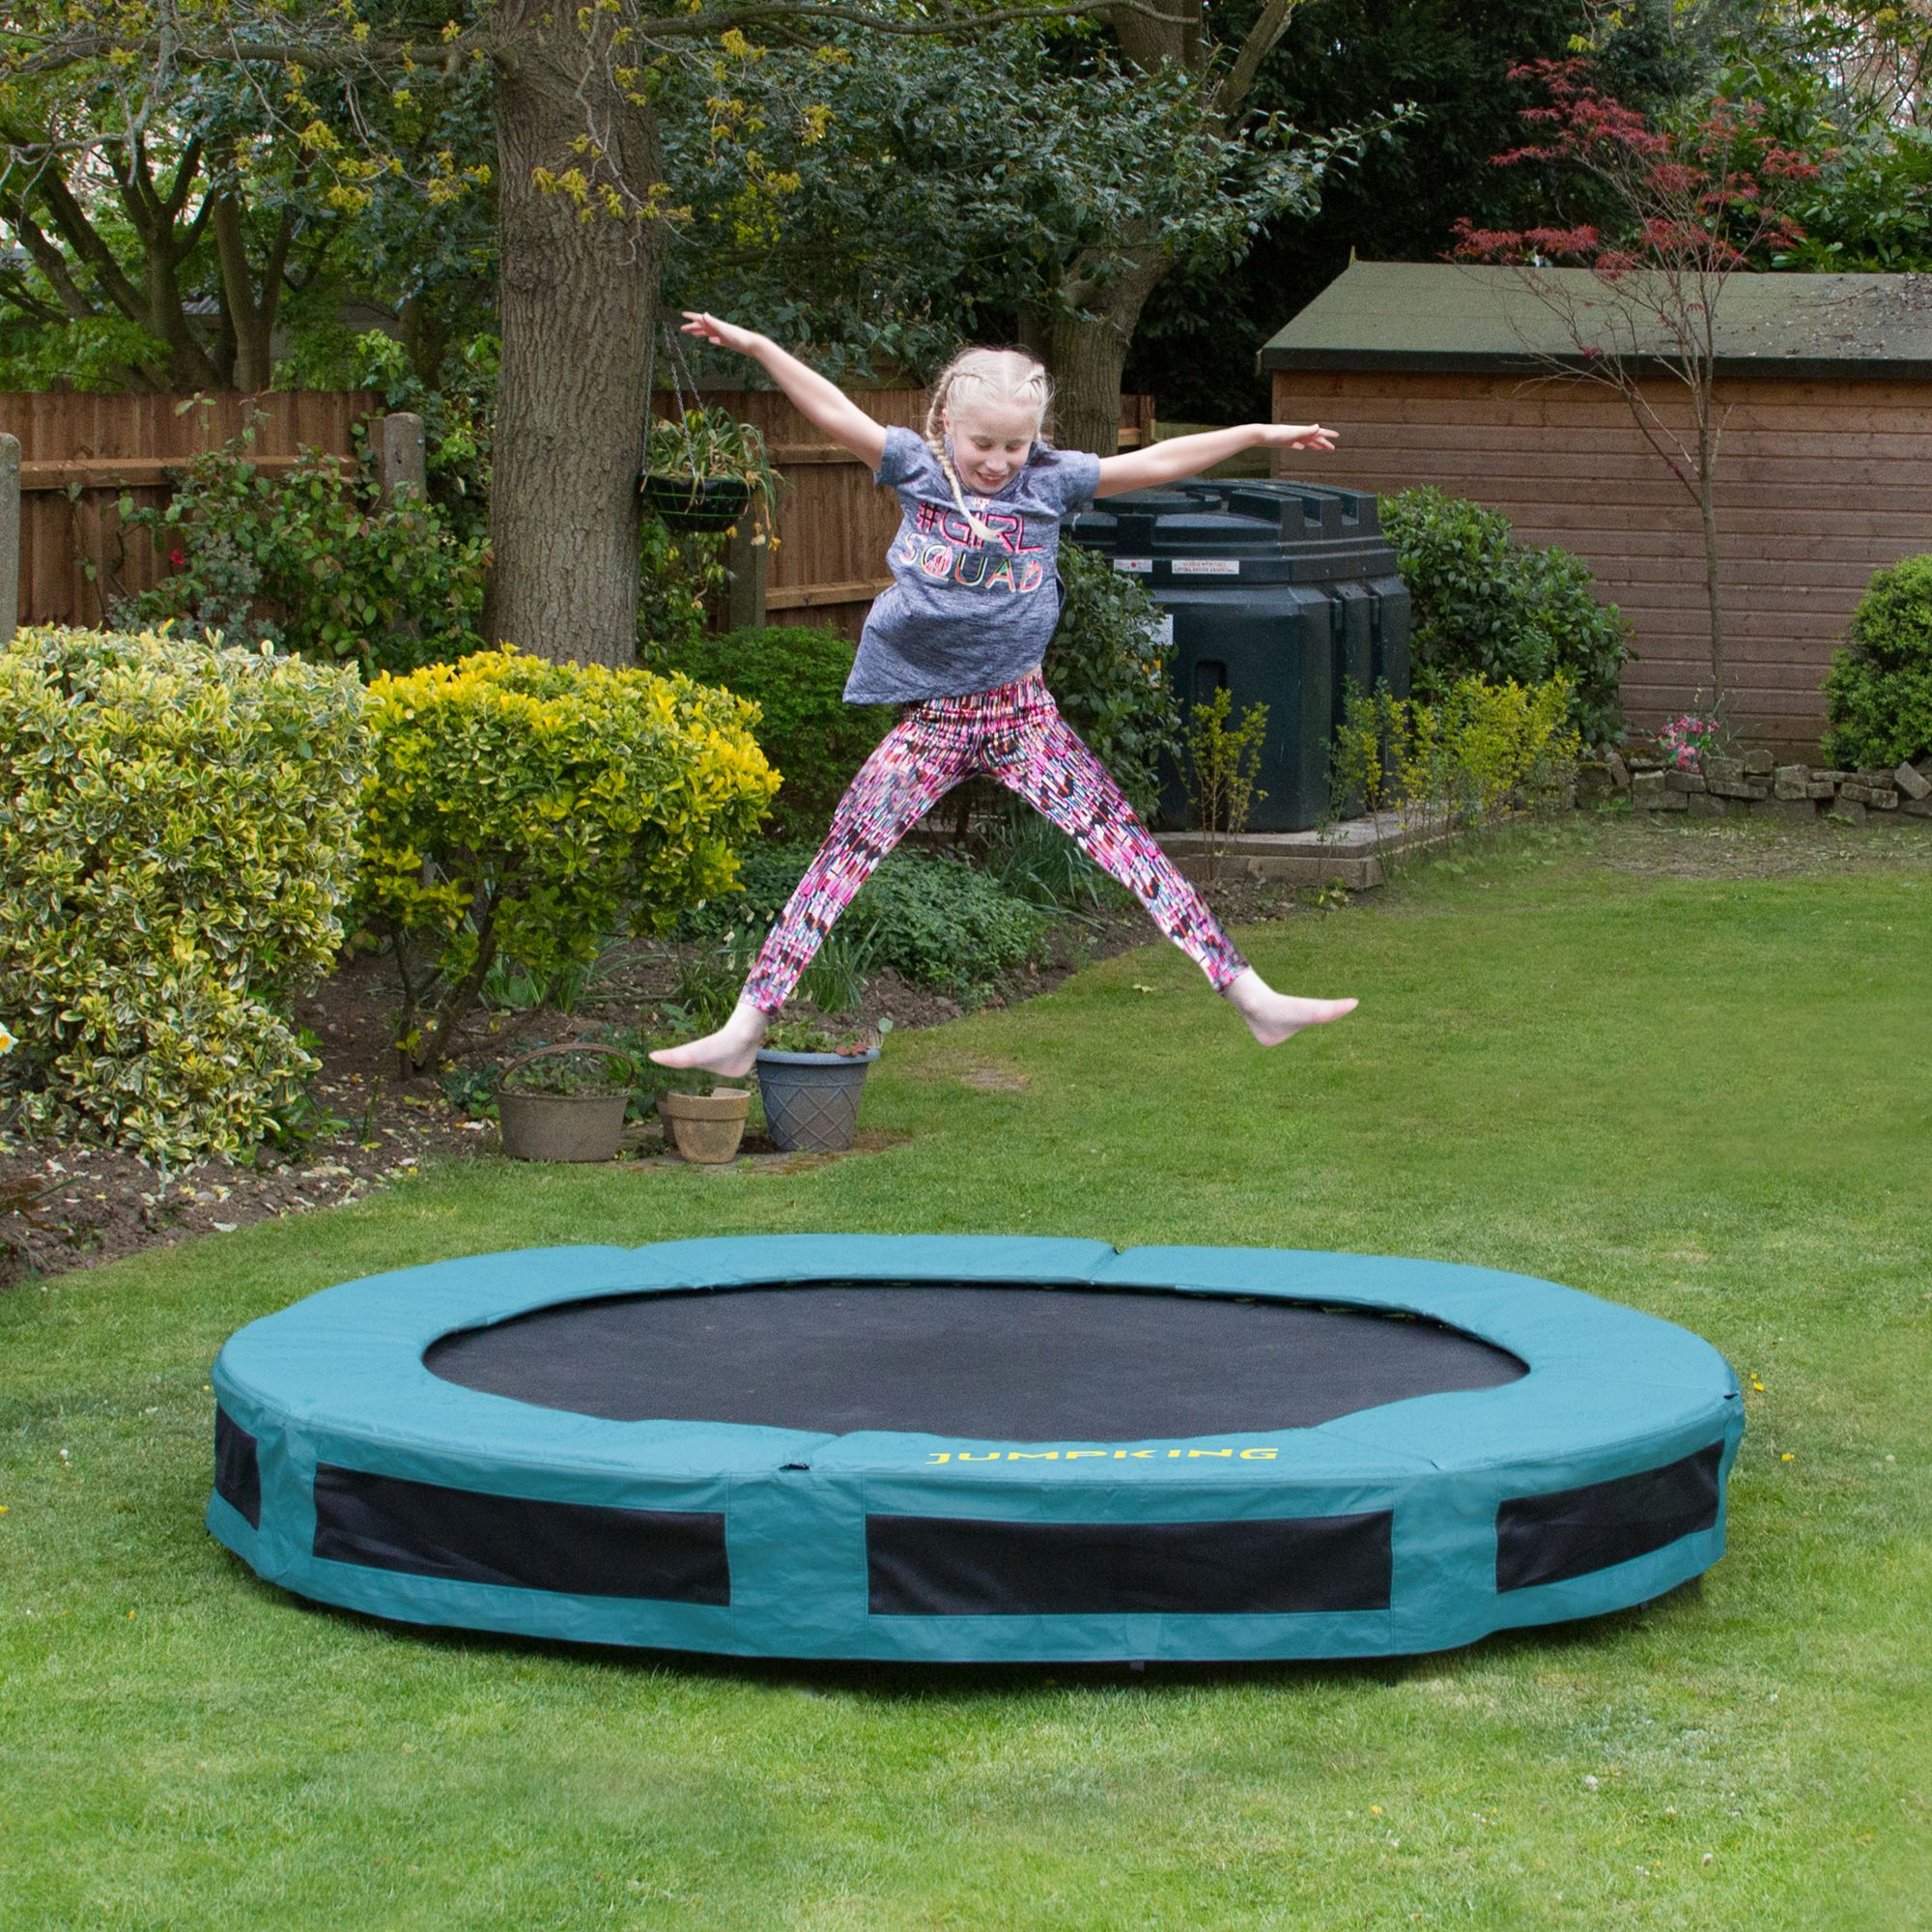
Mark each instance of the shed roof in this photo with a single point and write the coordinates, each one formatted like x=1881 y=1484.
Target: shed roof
x=1477 y=318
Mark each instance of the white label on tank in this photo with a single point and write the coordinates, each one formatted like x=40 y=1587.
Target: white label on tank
x=1139 y=566
x=1207 y=566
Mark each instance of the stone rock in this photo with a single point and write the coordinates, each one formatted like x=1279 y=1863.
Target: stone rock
x=1620 y=773
x=1757 y=764
x=1647 y=792
x=1749 y=788
x=1823 y=777
x=1703 y=804
x=1799 y=810
x=1729 y=770
x=1821 y=789
x=1847 y=810
x=1919 y=807
x=1875 y=797
x=1912 y=782
x=1593 y=779
x=1686 y=781
x=1866 y=776
x=1790 y=781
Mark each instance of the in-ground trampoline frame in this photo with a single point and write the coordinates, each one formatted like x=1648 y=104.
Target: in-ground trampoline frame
x=350 y=1473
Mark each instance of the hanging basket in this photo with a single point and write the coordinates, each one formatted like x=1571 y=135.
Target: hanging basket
x=561 y=1126
x=696 y=502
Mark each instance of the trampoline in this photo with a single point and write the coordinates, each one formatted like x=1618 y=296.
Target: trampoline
x=971 y=1449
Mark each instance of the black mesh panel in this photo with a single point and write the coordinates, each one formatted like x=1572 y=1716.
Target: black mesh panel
x=1572 y=1532
x=387 y=1522
x=953 y=1567
x=238 y=1476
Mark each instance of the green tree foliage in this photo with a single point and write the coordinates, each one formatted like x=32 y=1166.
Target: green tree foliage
x=898 y=212
x=173 y=216
x=797 y=678
x=1485 y=605
x=1846 y=87
x=1878 y=693
x=1339 y=63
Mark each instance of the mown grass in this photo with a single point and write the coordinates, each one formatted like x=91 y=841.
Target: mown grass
x=1705 y=1095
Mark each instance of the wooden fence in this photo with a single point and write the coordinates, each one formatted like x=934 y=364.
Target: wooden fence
x=834 y=524
x=79 y=454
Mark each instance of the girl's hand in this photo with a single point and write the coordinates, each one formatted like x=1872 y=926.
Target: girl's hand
x=1296 y=436
x=725 y=334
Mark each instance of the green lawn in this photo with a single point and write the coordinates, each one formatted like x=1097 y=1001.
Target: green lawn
x=1705 y=1095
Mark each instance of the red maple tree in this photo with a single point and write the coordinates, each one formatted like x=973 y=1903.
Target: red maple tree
x=1682 y=208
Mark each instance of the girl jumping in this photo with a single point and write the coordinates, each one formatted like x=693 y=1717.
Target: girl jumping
x=956 y=639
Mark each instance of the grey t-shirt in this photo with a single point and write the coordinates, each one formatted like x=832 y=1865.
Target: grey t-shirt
x=961 y=615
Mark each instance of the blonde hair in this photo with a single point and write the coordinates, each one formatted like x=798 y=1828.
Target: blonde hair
x=1003 y=377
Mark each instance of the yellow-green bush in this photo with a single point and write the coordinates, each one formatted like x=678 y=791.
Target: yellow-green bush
x=1484 y=748
x=529 y=808
x=176 y=839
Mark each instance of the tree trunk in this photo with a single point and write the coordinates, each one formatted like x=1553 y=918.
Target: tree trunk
x=1720 y=696
x=1085 y=359
x=250 y=322
x=579 y=300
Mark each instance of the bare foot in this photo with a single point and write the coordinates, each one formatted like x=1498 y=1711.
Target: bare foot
x=1273 y=1016
x=731 y=1050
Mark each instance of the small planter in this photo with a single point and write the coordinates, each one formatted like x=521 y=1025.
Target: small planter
x=697 y=503
x=707 y=1127
x=812 y=1099
x=561 y=1126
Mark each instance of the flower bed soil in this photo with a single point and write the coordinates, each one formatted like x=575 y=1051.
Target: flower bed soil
x=66 y=1207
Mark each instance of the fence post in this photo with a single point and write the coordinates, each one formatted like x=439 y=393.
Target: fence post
x=9 y=535
x=745 y=577
x=401 y=456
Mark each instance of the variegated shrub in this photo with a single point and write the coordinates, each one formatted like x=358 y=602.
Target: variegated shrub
x=531 y=809
x=177 y=840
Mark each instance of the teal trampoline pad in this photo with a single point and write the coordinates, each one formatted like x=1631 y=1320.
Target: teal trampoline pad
x=971 y=1449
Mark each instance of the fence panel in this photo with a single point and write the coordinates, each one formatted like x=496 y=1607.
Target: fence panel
x=834 y=524
x=79 y=454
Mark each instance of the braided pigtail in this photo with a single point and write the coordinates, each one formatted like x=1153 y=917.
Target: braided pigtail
x=935 y=436
x=1005 y=375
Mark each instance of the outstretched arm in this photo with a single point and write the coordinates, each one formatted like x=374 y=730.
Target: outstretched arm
x=1189 y=455
x=822 y=404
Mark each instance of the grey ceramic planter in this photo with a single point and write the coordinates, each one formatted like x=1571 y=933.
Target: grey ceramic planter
x=812 y=1099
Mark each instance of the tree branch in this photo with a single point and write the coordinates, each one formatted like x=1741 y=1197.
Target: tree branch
x=185 y=171
x=1263 y=38
x=13 y=289
x=52 y=264
x=52 y=52
x=79 y=234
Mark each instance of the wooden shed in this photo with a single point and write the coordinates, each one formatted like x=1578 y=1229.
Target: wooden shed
x=1456 y=375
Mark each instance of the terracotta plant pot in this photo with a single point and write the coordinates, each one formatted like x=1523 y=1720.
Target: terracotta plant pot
x=707 y=1127
x=561 y=1126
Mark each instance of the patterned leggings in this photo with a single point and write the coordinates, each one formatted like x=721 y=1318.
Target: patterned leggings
x=1014 y=733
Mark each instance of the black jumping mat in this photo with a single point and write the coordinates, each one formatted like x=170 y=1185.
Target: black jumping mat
x=1020 y=1363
